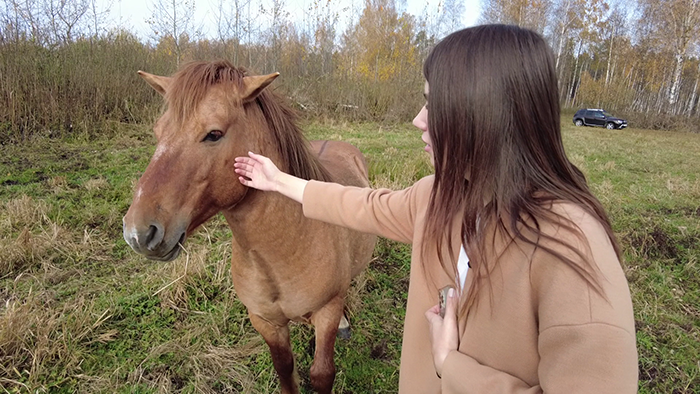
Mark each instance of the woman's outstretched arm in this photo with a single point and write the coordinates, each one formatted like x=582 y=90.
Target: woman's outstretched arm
x=260 y=173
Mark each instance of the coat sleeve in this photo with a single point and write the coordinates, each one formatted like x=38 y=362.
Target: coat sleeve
x=387 y=213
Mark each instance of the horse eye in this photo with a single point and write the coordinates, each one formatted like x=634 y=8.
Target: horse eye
x=213 y=136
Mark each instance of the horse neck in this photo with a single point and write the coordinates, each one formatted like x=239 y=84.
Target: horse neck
x=264 y=217
x=266 y=214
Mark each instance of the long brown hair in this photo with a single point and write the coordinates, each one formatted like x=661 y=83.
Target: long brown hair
x=494 y=123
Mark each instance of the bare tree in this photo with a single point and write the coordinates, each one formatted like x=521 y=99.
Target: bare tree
x=278 y=23
x=98 y=16
x=532 y=14
x=614 y=28
x=174 y=19
x=566 y=20
x=694 y=95
x=66 y=18
x=323 y=32
x=230 y=16
x=25 y=17
x=451 y=16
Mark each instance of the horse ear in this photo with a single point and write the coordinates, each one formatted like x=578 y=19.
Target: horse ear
x=160 y=84
x=253 y=85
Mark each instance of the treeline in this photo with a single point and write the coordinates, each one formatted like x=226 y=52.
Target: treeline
x=78 y=78
x=637 y=57
x=62 y=72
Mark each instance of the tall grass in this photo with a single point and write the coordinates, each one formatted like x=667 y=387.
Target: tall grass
x=86 y=88
x=73 y=90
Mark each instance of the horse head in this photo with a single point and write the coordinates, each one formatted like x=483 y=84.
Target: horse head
x=190 y=177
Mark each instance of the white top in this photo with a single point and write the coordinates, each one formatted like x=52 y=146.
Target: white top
x=462 y=267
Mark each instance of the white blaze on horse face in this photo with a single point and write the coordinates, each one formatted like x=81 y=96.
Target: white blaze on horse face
x=139 y=192
x=160 y=151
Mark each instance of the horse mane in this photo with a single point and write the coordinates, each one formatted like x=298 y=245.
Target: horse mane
x=189 y=87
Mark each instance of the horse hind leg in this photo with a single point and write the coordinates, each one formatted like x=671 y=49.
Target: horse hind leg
x=277 y=339
x=325 y=322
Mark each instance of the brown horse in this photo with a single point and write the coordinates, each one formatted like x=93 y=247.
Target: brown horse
x=284 y=267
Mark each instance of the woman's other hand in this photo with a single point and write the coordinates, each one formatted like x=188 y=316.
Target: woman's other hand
x=444 y=332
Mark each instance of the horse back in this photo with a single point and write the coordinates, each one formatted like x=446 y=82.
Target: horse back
x=347 y=166
x=344 y=162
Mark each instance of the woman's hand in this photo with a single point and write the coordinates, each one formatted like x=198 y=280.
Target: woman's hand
x=444 y=332
x=261 y=173
x=257 y=171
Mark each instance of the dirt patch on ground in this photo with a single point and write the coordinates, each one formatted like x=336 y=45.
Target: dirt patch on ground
x=659 y=243
x=655 y=243
x=682 y=211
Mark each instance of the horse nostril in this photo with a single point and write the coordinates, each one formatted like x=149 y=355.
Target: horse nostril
x=152 y=230
x=154 y=236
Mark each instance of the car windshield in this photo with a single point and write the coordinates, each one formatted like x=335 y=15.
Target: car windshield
x=607 y=114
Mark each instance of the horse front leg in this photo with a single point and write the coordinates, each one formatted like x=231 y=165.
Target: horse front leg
x=325 y=322
x=277 y=339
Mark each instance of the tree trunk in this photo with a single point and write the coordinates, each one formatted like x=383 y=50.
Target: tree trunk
x=693 y=96
x=675 y=83
x=607 y=69
x=572 y=87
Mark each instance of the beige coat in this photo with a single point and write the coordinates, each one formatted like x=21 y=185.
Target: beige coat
x=539 y=328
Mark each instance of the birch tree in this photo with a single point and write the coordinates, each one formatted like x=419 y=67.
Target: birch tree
x=613 y=30
x=675 y=24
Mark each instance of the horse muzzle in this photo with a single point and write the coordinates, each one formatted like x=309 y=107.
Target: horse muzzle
x=153 y=241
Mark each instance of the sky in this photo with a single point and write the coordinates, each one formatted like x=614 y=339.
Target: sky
x=131 y=14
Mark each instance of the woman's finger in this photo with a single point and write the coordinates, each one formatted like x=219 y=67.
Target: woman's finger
x=451 y=307
x=257 y=157
x=241 y=167
x=433 y=314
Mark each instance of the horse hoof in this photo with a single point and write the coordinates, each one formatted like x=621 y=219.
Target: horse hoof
x=344 y=333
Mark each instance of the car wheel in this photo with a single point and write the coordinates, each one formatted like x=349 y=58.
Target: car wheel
x=578 y=122
x=609 y=126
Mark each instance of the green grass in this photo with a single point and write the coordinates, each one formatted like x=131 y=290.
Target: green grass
x=81 y=312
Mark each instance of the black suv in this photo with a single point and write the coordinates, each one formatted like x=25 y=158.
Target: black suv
x=598 y=117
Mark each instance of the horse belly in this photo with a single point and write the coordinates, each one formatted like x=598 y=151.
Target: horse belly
x=292 y=288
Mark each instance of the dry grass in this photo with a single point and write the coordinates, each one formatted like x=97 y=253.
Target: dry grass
x=41 y=337
x=180 y=278
x=203 y=363
x=49 y=248
x=31 y=241
x=58 y=184
x=96 y=184
x=23 y=212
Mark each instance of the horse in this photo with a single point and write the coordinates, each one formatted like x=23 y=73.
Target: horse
x=284 y=266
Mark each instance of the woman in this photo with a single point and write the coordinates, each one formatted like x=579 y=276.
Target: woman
x=545 y=306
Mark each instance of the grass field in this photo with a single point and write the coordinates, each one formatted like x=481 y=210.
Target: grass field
x=80 y=312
